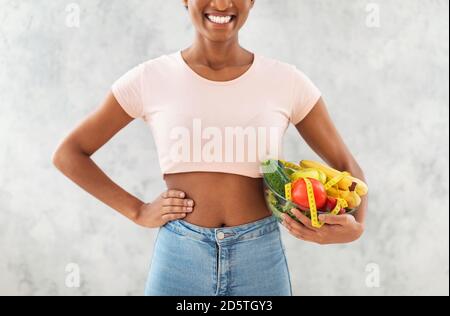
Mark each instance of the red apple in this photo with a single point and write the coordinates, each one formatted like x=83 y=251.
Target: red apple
x=300 y=196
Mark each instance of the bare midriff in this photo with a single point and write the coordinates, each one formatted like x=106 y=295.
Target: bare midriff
x=221 y=199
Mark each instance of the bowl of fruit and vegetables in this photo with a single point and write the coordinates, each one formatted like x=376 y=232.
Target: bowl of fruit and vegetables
x=286 y=187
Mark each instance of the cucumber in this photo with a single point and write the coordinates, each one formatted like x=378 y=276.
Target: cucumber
x=275 y=176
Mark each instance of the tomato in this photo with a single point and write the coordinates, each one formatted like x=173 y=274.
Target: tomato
x=330 y=204
x=300 y=195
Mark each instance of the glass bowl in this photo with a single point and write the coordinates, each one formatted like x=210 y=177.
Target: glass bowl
x=278 y=205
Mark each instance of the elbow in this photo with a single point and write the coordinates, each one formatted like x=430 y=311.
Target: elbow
x=362 y=175
x=58 y=158
x=66 y=156
x=62 y=157
x=355 y=169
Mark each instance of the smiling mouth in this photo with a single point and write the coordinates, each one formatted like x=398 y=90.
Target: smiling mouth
x=220 y=20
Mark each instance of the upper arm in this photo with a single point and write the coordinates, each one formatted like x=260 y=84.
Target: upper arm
x=98 y=127
x=320 y=133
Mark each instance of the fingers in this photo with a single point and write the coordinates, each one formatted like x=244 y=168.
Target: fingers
x=303 y=219
x=173 y=194
x=177 y=209
x=176 y=198
x=335 y=219
x=173 y=217
x=174 y=201
x=178 y=202
x=297 y=229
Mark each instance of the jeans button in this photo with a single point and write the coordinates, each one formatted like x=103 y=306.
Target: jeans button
x=220 y=235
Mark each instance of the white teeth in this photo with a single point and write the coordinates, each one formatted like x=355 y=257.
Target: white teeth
x=219 y=19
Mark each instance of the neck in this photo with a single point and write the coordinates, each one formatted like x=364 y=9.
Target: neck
x=216 y=55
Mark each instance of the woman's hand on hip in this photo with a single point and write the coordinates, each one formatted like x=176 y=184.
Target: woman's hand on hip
x=171 y=205
x=338 y=229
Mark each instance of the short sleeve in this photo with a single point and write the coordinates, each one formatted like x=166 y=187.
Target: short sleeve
x=128 y=91
x=305 y=96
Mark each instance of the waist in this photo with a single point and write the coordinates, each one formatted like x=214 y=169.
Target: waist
x=224 y=235
x=221 y=199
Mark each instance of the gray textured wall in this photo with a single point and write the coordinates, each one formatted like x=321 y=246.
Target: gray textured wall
x=387 y=90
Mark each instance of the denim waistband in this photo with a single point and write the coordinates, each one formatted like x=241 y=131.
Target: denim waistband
x=224 y=235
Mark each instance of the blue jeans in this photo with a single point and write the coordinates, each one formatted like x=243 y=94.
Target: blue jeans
x=246 y=260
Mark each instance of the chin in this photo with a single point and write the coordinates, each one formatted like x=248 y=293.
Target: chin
x=219 y=38
x=219 y=35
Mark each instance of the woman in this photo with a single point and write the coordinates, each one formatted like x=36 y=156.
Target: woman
x=216 y=235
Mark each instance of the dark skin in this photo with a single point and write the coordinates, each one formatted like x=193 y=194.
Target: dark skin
x=235 y=200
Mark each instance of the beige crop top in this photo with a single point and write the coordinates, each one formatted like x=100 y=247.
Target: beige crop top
x=212 y=126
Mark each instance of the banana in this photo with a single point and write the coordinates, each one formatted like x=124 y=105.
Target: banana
x=306 y=173
x=353 y=200
x=361 y=188
x=344 y=184
x=338 y=193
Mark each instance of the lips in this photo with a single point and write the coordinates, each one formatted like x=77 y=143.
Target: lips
x=220 y=19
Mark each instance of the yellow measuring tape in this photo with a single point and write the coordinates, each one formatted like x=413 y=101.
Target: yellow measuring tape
x=340 y=203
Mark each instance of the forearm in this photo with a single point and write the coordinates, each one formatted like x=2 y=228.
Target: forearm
x=83 y=171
